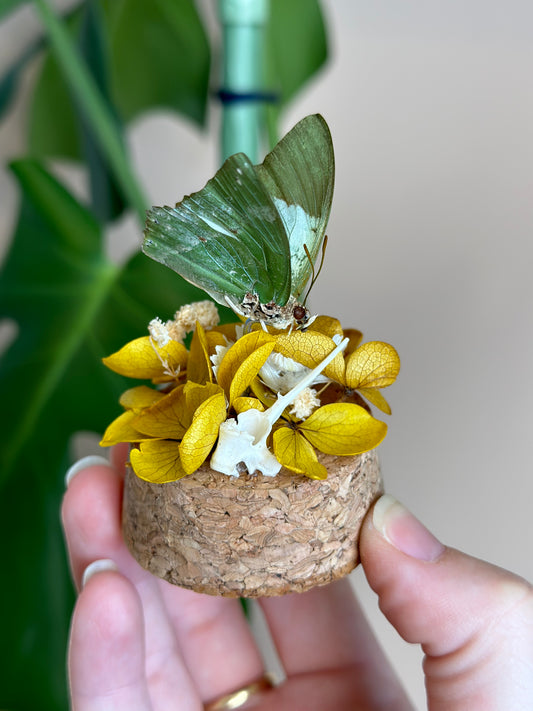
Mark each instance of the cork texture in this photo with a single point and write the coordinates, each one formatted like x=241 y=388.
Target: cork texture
x=251 y=536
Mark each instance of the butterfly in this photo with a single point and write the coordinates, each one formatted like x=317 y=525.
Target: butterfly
x=251 y=236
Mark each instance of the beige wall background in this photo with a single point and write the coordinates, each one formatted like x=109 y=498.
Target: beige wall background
x=431 y=110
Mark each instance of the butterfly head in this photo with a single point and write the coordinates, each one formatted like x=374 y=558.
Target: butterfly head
x=300 y=314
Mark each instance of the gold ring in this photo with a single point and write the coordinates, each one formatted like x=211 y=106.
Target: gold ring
x=240 y=697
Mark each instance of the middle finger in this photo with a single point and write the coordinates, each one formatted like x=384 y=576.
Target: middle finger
x=215 y=639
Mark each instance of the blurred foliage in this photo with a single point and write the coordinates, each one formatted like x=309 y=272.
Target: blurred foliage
x=70 y=303
x=296 y=45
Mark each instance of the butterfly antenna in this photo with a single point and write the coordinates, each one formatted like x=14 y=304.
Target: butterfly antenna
x=314 y=276
x=307 y=254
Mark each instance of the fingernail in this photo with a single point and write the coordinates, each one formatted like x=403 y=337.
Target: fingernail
x=405 y=532
x=97 y=566
x=91 y=461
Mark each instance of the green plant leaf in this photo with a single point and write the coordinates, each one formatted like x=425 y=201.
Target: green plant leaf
x=160 y=57
x=96 y=111
x=61 y=289
x=106 y=196
x=67 y=132
x=10 y=80
x=52 y=126
x=37 y=595
x=297 y=45
x=7 y=6
x=72 y=307
x=56 y=254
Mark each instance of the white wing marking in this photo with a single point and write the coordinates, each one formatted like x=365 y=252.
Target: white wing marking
x=301 y=229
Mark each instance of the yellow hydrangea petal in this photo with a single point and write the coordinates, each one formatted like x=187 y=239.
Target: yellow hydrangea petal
x=262 y=393
x=171 y=416
x=374 y=396
x=157 y=461
x=122 y=429
x=248 y=370
x=372 y=365
x=241 y=404
x=294 y=452
x=238 y=353
x=343 y=428
x=226 y=329
x=203 y=432
x=140 y=397
x=142 y=358
x=196 y=394
x=327 y=325
x=198 y=363
x=310 y=348
x=167 y=418
x=214 y=339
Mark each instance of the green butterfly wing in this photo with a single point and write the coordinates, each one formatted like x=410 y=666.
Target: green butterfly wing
x=245 y=230
x=299 y=174
x=227 y=239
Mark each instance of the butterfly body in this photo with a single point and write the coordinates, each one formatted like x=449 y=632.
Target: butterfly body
x=241 y=238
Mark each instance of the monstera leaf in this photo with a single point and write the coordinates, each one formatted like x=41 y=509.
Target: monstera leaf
x=297 y=45
x=156 y=56
x=6 y=6
x=71 y=306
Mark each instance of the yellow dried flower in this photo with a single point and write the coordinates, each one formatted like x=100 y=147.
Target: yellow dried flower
x=249 y=396
x=372 y=366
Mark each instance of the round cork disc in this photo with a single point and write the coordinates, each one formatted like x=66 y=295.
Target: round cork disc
x=251 y=536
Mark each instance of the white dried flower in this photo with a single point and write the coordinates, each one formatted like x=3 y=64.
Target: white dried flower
x=281 y=374
x=176 y=331
x=220 y=352
x=203 y=311
x=159 y=332
x=304 y=404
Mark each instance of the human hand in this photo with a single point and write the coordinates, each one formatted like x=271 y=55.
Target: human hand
x=139 y=643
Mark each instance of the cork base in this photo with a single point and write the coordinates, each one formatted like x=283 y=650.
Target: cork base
x=251 y=536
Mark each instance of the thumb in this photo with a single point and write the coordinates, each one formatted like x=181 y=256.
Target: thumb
x=473 y=620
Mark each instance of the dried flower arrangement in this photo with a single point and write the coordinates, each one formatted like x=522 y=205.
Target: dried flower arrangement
x=232 y=393
x=281 y=396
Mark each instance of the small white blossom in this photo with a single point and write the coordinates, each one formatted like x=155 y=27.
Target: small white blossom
x=184 y=321
x=281 y=374
x=220 y=352
x=304 y=404
x=176 y=331
x=159 y=332
x=203 y=311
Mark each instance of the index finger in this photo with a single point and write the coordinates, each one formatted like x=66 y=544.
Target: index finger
x=324 y=629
